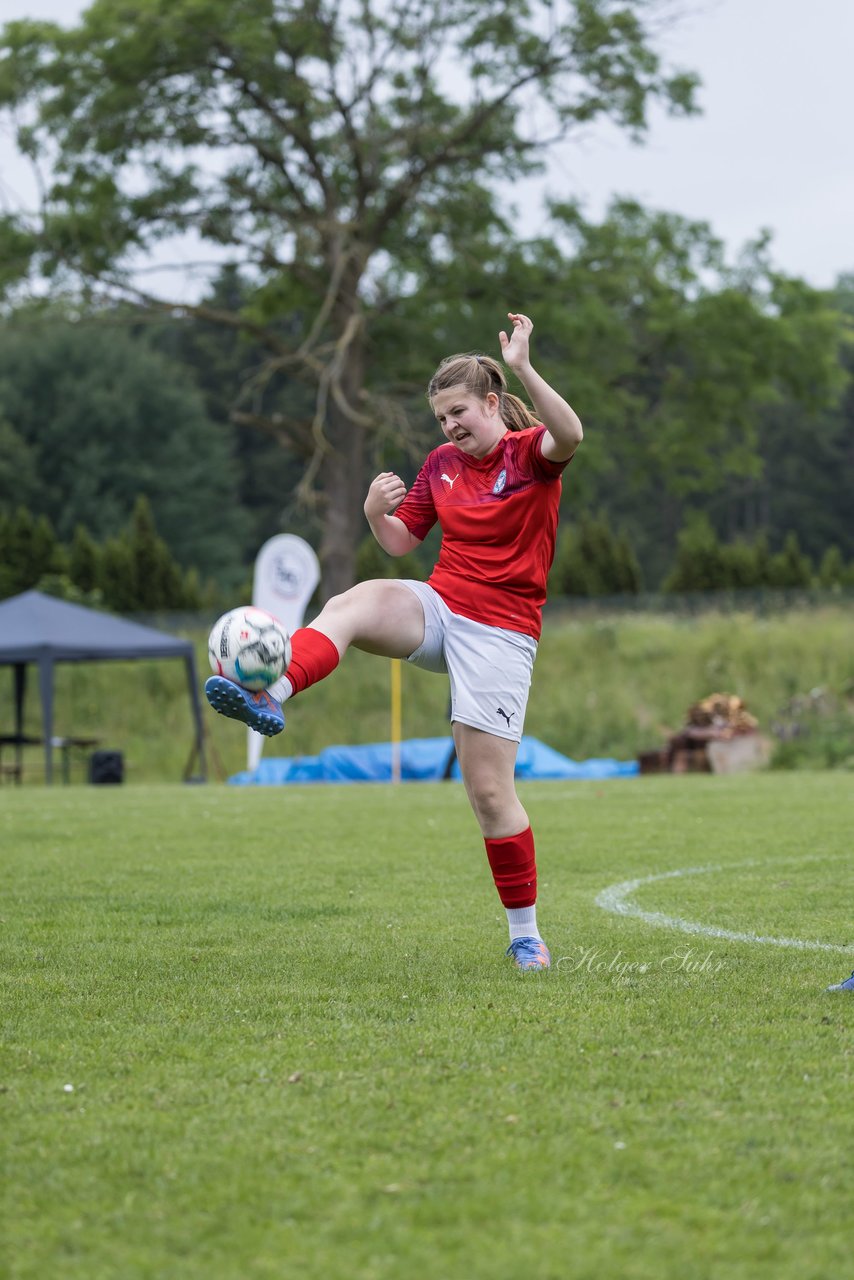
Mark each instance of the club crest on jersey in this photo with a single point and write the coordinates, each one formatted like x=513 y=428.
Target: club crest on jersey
x=501 y=481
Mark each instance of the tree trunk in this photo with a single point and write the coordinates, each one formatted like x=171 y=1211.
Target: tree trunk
x=343 y=478
x=344 y=524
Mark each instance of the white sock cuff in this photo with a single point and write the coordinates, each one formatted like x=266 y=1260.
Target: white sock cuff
x=522 y=922
x=281 y=690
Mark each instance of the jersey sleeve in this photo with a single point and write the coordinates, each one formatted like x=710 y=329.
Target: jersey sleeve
x=542 y=467
x=418 y=510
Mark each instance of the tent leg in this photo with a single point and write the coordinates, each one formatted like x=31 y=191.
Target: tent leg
x=198 y=751
x=46 y=691
x=20 y=690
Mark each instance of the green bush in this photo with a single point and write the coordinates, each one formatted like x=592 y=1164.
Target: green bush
x=831 y=571
x=84 y=568
x=592 y=560
x=790 y=567
x=63 y=587
x=700 y=561
x=134 y=572
x=28 y=550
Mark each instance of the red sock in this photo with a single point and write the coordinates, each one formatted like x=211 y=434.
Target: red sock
x=313 y=657
x=514 y=868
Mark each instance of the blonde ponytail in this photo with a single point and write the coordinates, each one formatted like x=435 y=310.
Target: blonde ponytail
x=516 y=413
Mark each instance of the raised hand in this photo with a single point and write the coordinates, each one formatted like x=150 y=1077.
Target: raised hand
x=514 y=348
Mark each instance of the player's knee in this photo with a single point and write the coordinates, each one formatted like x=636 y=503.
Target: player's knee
x=489 y=799
x=361 y=596
x=348 y=604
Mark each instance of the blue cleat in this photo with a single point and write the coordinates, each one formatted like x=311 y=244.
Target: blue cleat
x=529 y=953
x=846 y=985
x=260 y=711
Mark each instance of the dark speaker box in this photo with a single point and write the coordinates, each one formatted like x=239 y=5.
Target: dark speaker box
x=106 y=766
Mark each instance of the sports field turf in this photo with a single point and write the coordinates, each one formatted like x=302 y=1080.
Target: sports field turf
x=271 y=1033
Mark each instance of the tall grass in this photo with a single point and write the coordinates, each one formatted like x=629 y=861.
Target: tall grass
x=614 y=684
x=619 y=685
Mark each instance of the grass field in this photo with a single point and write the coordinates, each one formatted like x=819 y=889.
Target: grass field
x=255 y=1033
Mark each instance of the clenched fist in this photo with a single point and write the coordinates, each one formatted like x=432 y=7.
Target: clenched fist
x=387 y=491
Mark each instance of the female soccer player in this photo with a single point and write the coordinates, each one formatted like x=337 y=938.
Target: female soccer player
x=494 y=488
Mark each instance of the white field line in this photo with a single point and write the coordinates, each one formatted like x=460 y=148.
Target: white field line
x=617 y=899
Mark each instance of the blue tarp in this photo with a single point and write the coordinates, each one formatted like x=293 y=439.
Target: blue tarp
x=421 y=760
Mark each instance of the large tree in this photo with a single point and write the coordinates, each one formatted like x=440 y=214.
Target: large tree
x=325 y=144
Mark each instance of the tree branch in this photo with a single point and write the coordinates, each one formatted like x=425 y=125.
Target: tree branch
x=402 y=191
x=283 y=429
x=201 y=311
x=301 y=137
x=269 y=156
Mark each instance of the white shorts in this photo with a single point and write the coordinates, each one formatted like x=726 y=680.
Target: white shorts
x=489 y=668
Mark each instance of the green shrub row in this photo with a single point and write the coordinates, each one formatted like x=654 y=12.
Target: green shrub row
x=131 y=573
x=136 y=572
x=592 y=560
x=703 y=563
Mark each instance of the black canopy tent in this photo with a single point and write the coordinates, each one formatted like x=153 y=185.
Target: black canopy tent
x=35 y=628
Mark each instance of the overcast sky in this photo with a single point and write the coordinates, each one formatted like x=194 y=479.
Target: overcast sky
x=773 y=148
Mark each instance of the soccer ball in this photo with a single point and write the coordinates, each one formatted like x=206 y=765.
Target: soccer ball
x=250 y=647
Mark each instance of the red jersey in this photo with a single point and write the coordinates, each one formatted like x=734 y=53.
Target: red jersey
x=498 y=517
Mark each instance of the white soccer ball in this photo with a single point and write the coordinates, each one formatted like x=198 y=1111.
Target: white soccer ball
x=250 y=647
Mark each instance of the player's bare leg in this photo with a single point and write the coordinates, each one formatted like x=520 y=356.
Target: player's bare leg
x=488 y=767
x=380 y=616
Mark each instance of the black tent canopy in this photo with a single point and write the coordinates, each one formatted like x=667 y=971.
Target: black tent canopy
x=35 y=628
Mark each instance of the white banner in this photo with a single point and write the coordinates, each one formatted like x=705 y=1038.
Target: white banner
x=286 y=574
